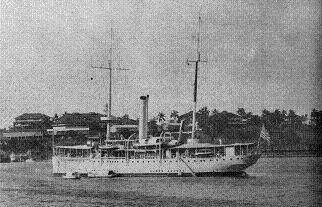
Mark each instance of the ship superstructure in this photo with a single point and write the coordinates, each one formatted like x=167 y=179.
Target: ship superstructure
x=145 y=155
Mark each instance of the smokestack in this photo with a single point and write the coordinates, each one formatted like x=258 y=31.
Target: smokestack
x=147 y=115
x=143 y=119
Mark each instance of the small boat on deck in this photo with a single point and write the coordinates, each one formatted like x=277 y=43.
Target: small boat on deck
x=72 y=175
x=30 y=160
x=112 y=174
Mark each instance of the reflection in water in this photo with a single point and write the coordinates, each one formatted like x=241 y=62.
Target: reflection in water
x=271 y=182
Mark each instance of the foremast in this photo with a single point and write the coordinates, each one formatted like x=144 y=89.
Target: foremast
x=109 y=107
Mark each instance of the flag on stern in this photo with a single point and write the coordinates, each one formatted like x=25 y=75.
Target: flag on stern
x=264 y=134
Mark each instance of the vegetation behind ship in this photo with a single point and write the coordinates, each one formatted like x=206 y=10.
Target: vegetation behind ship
x=288 y=131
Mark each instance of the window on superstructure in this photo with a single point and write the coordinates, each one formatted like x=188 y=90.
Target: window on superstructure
x=73 y=153
x=244 y=149
x=85 y=153
x=79 y=153
x=251 y=148
x=238 y=150
x=219 y=151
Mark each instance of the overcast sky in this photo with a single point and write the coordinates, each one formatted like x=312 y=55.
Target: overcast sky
x=261 y=55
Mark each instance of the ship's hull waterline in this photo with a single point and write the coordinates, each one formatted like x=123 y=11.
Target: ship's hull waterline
x=173 y=167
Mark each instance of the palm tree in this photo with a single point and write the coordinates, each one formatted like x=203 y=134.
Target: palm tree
x=284 y=114
x=174 y=115
x=215 y=111
x=241 y=112
x=161 y=117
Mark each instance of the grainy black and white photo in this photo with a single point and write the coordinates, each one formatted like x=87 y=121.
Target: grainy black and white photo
x=160 y=103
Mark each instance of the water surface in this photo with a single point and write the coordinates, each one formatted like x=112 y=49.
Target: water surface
x=293 y=181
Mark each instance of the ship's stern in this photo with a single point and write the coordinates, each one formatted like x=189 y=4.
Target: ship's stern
x=244 y=162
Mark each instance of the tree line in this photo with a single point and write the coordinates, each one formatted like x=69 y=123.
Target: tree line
x=288 y=130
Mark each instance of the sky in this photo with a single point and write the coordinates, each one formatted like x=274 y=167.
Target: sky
x=260 y=55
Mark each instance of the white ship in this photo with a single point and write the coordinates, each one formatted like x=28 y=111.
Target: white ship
x=164 y=155
x=154 y=156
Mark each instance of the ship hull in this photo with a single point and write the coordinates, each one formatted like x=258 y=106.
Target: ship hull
x=182 y=167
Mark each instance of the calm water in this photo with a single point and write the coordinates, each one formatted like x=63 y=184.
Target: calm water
x=272 y=182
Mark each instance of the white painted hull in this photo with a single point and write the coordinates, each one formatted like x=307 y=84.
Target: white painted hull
x=154 y=167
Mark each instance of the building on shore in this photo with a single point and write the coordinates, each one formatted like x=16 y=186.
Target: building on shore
x=28 y=126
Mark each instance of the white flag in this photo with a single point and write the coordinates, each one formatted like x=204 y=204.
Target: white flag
x=264 y=134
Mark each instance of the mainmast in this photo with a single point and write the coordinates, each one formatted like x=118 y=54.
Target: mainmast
x=197 y=61
x=109 y=108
